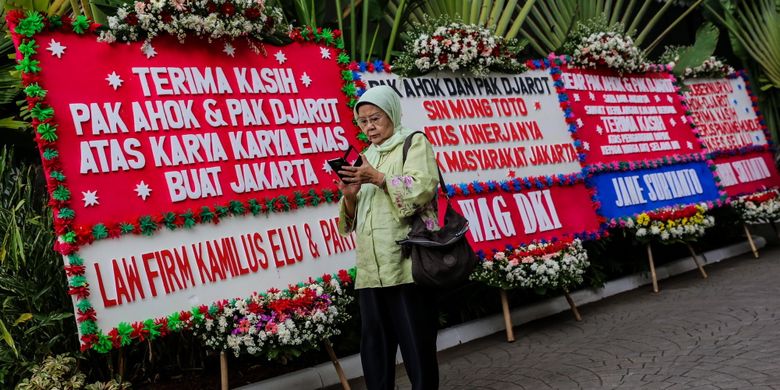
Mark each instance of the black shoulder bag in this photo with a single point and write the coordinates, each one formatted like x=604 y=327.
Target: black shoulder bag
x=441 y=258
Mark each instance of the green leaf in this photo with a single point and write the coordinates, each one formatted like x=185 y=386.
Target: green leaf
x=24 y=317
x=700 y=51
x=7 y=338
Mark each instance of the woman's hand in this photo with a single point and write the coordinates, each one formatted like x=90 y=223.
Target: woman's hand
x=365 y=173
x=349 y=190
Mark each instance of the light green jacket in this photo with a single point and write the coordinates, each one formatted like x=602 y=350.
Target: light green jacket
x=381 y=217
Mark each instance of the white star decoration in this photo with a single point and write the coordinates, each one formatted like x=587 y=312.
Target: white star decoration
x=305 y=79
x=579 y=122
x=599 y=129
x=591 y=96
x=672 y=122
x=576 y=97
x=56 y=48
x=114 y=80
x=229 y=50
x=280 y=57
x=689 y=145
x=586 y=145
x=683 y=118
x=669 y=99
x=143 y=190
x=657 y=99
x=90 y=198
x=325 y=52
x=326 y=167
x=148 y=50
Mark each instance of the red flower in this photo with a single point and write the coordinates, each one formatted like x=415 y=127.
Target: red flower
x=87 y=315
x=443 y=59
x=116 y=340
x=166 y=17
x=336 y=33
x=65 y=249
x=327 y=278
x=211 y=7
x=344 y=276
x=185 y=316
x=228 y=9
x=139 y=333
x=87 y=341
x=79 y=292
x=29 y=78
x=295 y=35
x=131 y=19
x=253 y=13
x=163 y=326
x=254 y=307
x=71 y=270
x=14 y=16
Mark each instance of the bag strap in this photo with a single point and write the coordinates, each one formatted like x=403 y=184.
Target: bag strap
x=408 y=144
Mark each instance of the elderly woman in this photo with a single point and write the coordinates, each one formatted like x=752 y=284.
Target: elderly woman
x=378 y=198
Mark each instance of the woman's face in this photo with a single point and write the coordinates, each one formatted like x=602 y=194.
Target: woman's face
x=374 y=123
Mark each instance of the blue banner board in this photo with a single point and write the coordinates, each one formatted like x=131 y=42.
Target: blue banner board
x=623 y=194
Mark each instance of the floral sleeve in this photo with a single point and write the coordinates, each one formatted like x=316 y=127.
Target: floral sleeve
x=416 y=186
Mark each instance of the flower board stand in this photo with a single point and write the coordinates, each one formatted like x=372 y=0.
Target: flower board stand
x=750 y=239
x=335 y=360
x=223 y=370
x=652 y=265
x=510 y=333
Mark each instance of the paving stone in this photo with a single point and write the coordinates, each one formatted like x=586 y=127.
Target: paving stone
x=717 y=333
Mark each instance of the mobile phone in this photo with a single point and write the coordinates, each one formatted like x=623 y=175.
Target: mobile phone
x=351 y=158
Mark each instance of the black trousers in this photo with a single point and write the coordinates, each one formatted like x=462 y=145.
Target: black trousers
x=404 y=315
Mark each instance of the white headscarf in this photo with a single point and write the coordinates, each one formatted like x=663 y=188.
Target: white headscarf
x=388 y=101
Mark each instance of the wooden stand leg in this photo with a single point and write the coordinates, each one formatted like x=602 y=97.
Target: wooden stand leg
x=750 y=240
x=336 y=365
x=696 y=260
x=574 y=309
x=223 y=369
x=774 y=227
x=652 y=268
x=121 y=363
x=510 y=333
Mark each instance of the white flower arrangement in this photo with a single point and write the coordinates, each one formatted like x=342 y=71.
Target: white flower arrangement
x=670 y=225
x=711 y=67
x=209 y=19
x=758 y=208
x=277 y=323
x=538 y=266
x=452 y=46
x=609 y=49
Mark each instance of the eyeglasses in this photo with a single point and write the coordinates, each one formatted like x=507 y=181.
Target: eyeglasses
x=374 y=120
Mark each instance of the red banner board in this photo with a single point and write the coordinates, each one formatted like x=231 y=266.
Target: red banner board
x=182 y=129
x=500 y=218
x=628 y=118
x=747 y=173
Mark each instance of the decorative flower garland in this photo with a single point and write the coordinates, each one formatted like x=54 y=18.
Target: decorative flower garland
x=24 y=27
x=538 y=266
x=758 y=208
x=440 y=44
x=329 y=299
x=712 y=67
x=211 y=19
x=609 y=49
x=277 y=323
x=670 y=225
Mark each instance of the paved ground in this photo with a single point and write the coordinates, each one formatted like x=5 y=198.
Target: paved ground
x=718 y=333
